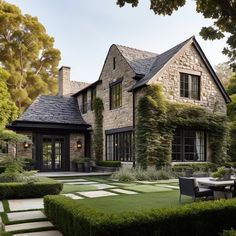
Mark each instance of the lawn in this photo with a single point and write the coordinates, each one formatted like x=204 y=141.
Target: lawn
x=136 y=202
x=157 y=194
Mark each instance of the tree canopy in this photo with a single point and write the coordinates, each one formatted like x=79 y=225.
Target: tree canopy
x=222 y=12
x=8 y=109
x=27 y=52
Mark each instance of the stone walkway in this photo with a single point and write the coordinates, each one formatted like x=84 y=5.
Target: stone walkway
x=26 y=215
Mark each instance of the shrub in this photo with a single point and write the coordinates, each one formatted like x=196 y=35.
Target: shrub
x=231 y=232
x=30 y=190
x=124 y=175
x=196 y=219
x=204 y=167
x=109 y=163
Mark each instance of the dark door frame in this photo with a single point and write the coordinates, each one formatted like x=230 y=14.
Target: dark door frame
x=65 y=161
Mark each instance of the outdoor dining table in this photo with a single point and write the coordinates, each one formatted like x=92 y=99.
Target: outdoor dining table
x=218 y=186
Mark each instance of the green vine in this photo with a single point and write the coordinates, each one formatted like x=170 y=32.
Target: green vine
x=158 y=119
x=98 y=129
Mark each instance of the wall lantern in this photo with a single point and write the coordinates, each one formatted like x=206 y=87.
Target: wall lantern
x=79 y=144
x=26 y=145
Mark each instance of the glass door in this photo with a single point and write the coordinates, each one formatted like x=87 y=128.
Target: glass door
x=52 y=153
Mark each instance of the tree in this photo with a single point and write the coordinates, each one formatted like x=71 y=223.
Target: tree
x=223 y=13
x=231 y=89
x=224 y=72
x=27 y=53
x=8 y=109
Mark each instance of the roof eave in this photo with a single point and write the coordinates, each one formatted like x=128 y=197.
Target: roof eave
x=86 y=88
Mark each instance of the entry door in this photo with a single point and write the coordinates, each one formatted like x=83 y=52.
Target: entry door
x=53 y=153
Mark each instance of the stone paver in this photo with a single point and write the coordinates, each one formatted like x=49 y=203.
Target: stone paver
x=1 y=207
x=82 y=183
x=73 y=196
x=25 y=215
x=99 y=193
x=44 y=233
x=70 y=180
x=103 y=186
x=25 y=226
x=119 y=190
x=25 y=204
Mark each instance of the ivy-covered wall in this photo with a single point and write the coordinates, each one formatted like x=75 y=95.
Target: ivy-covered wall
x=158 y=119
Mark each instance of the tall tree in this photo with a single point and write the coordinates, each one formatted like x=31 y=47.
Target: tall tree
x=28 y=54
x=223 y=13
x=8 y=109
x=225 y=73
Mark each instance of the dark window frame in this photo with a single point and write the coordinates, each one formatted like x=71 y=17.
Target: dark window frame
x=114 y=63
x=93 y=96
x=115 y=94
x=190 y=86
x=181 y=146
x=121 y=146
x=84 y=102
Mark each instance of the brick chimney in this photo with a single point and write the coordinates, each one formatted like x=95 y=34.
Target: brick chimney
x=64 y=81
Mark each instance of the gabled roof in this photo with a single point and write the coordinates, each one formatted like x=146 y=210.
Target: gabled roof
x=76 y=86
x=53 y=109
x=140 y=61
x=159 y=63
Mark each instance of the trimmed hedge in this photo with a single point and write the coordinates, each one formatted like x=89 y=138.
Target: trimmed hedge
x=109 y=163
x=196 y=219
x=231 y=232
x=195 y=167
x=29 y=190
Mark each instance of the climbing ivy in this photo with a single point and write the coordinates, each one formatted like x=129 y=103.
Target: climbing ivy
x=98 y=129
x=158 y=119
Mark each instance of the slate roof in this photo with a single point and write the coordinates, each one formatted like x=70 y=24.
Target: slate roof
x=159 y=62
x=140 y=61
x=53 y=109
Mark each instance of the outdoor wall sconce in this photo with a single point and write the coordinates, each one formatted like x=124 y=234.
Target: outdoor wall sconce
x=26 y=145
x=79 y=144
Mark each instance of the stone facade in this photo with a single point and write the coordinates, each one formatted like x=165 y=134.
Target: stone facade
x=190 y=62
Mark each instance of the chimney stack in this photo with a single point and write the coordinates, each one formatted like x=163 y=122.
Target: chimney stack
x=64 y=81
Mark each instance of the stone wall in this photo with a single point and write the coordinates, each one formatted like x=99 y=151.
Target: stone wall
x=119 y=117
x=74 y=151
x=190 y=62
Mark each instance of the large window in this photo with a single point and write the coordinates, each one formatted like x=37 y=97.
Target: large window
x=84 y=102
x=190 y=86
x=189 y=145
x=93 y=96
x=116 y=95
x=119 y=146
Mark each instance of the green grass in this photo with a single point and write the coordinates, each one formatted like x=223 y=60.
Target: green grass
x=70 y=188
x=137 y=202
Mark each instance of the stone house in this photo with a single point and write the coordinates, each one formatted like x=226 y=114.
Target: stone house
x=61 y=127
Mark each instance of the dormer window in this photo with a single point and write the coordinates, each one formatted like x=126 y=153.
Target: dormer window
x=84 y=102
x=190 y=86
x=114 y=63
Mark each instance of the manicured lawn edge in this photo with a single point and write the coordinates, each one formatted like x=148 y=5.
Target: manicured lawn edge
x=29 y=190
x=203 y=218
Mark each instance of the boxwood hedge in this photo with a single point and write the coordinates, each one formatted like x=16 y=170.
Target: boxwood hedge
x=30 y=190
x=196 y=219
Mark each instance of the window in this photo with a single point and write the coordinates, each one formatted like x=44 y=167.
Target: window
x=84 y=102
x=3 y=147
x=114 y=63
x=190 y=86
x=189 y=145
x=119 y=146
x=116 y=95
x=93 y=96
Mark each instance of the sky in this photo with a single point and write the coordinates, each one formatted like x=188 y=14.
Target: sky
x=85 y=30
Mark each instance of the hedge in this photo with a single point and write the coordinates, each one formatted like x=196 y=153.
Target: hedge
x=195 y=167
x=231 y=232
x=109 y=163
x=29 y=190
x=196 y=219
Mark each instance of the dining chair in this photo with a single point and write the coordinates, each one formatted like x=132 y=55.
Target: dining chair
x=189 y=187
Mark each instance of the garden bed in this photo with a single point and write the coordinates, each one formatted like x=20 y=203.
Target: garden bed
x=75 y=219
x=44 y=186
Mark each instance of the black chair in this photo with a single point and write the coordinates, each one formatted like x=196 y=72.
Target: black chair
x=189 y=187
x=233 y=189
